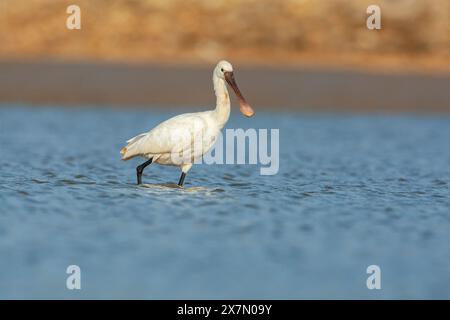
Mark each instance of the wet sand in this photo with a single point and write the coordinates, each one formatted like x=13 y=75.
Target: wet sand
x=190 y=86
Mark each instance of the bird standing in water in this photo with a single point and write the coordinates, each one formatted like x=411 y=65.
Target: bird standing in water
x=180 y=140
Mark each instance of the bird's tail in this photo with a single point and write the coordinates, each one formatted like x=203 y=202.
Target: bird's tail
x=123 y=152
x=131 y=150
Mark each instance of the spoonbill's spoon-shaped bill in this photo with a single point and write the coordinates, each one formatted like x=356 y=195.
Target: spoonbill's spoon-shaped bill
x=244 y=106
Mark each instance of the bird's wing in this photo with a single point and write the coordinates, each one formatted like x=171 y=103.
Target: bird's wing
x=173 y=135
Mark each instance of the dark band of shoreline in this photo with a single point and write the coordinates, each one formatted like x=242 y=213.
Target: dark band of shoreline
x=267 y=88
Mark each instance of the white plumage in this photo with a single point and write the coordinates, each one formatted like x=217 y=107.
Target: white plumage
x=180 y=140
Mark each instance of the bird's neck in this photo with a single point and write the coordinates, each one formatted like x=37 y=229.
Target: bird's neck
x=222 y=111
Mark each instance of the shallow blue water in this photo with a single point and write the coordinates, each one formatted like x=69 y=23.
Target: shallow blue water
x=352 y=191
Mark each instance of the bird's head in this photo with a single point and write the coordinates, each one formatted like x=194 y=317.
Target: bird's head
x=224 y=71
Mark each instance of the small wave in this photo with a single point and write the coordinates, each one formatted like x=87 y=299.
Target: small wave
x=39 y=181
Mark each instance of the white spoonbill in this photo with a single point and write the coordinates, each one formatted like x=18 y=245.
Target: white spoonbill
x=190 y=133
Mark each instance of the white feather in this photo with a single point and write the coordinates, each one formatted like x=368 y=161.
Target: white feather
x=180 y=133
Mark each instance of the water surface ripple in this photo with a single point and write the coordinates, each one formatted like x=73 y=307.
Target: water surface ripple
x=352 y=191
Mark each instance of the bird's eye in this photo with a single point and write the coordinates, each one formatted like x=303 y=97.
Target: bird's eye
x=221 y=69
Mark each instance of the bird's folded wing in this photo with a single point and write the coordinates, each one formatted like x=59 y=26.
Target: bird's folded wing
x=173 y=135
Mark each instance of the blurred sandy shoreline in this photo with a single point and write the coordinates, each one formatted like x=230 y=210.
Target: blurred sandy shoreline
x=266 y=87
x=314 y=55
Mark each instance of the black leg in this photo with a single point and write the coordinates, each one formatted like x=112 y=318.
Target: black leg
x=183 y=175
x=140 y=170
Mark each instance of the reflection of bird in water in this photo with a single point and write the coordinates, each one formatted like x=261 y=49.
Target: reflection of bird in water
x=191 y=134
